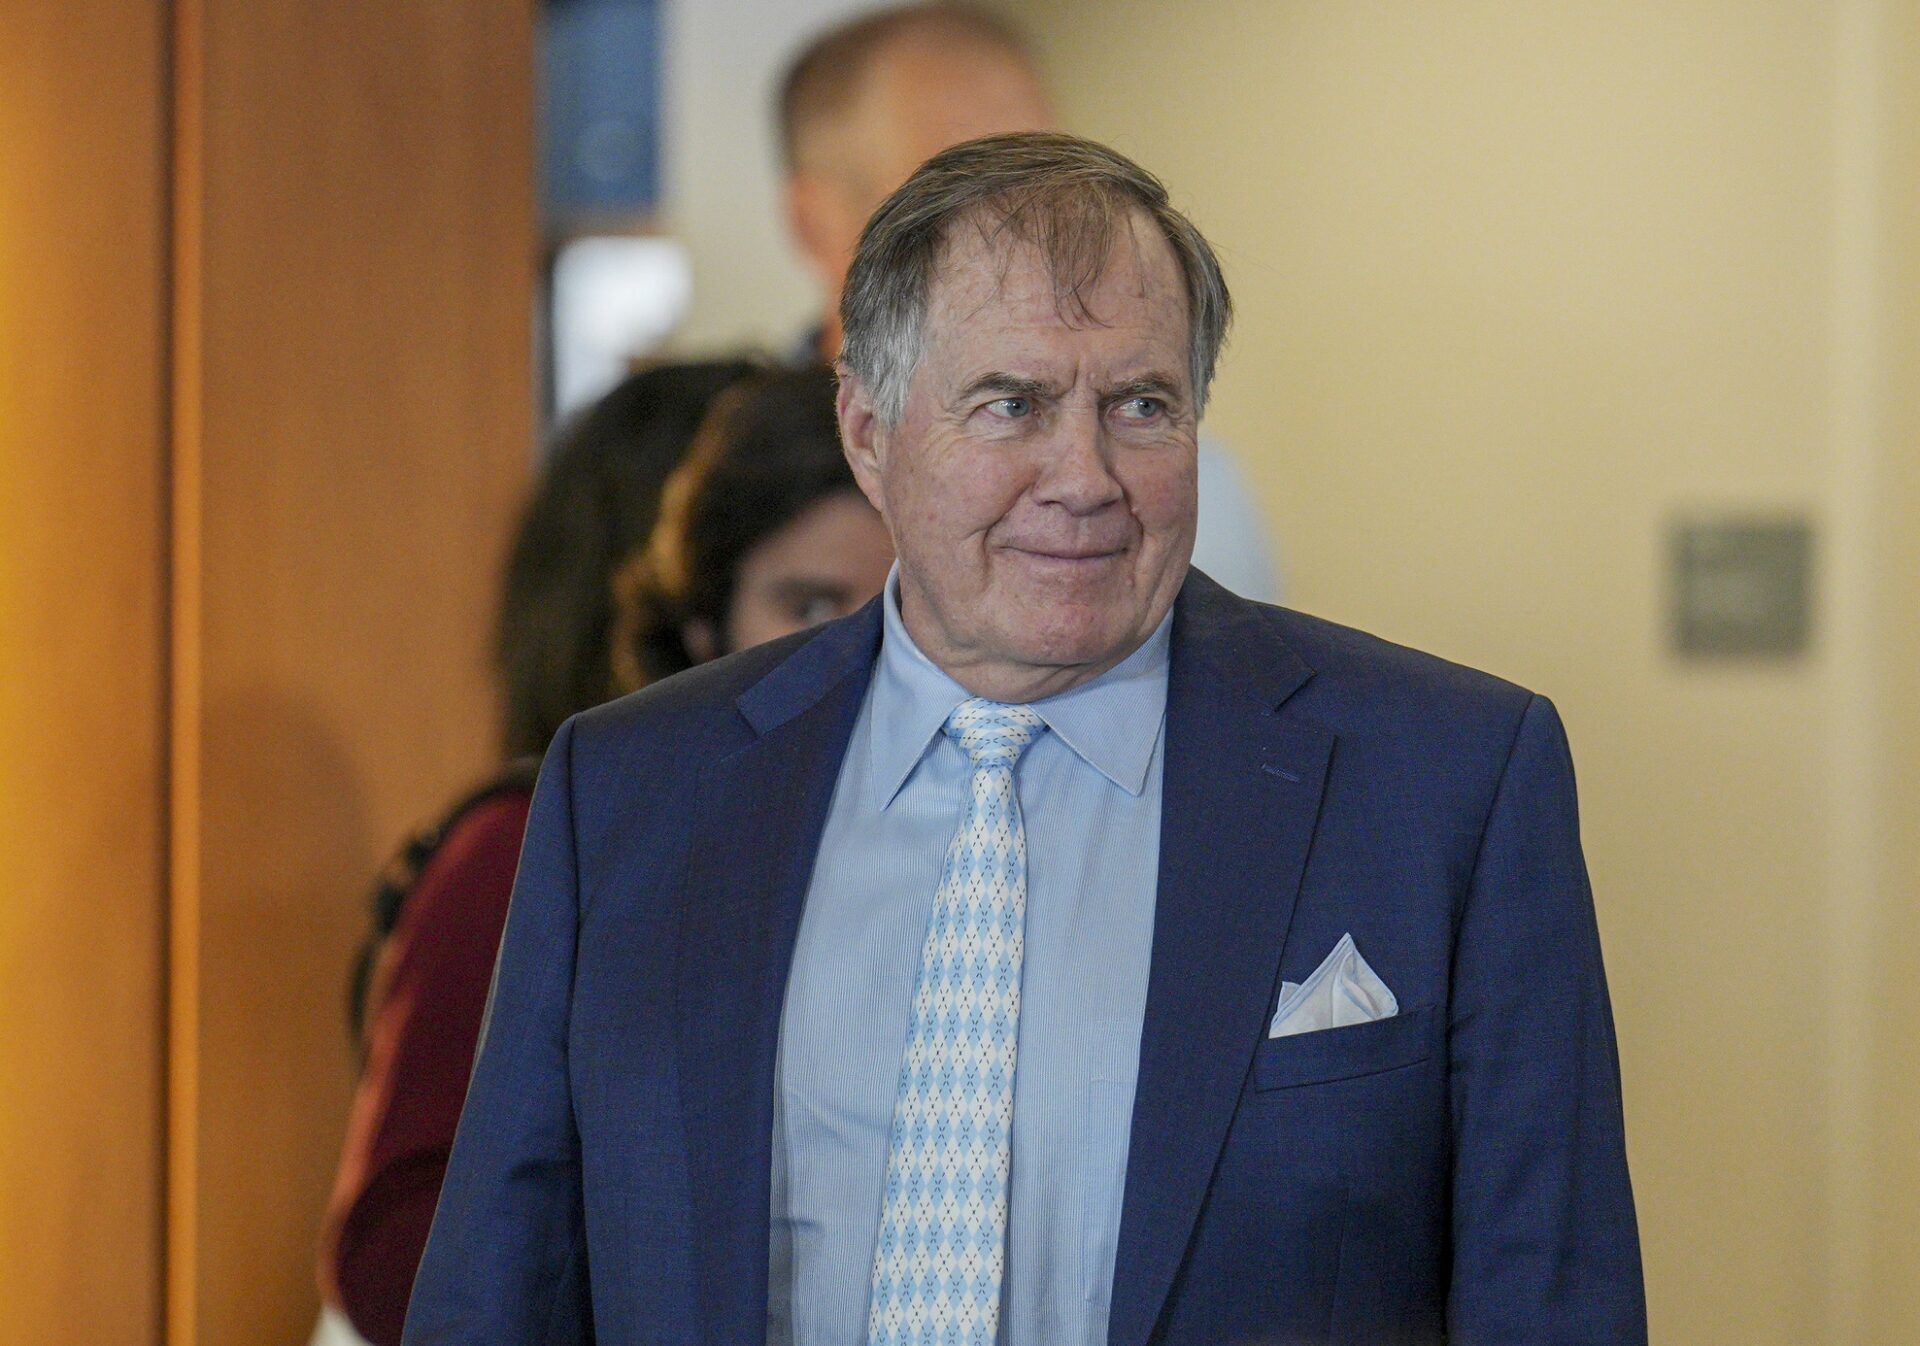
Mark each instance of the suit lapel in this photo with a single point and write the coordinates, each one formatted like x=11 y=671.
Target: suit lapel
x=1240 y=800
x=756 y=832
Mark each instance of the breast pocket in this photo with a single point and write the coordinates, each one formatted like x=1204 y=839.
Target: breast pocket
x=1330 y=1054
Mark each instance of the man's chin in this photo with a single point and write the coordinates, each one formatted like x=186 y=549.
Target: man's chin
x=1080 y=645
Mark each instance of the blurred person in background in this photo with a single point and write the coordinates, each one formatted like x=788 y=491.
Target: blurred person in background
x=762 y=533
x=867 y=102
x=421 y=984
x=595 y=509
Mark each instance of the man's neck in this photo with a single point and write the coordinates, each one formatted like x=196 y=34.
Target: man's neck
x=999 y=679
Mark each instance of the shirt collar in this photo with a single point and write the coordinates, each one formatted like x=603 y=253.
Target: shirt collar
x=1111 y=723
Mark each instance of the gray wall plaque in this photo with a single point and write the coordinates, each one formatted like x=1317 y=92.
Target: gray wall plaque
x=1741 y=586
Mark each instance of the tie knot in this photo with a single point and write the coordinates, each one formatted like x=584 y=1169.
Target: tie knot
x=992 y=734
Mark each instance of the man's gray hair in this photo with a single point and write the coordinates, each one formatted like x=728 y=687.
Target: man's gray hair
x=1068 y=197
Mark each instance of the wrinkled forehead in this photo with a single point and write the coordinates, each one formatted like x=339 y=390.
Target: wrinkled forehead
x=1085 y=269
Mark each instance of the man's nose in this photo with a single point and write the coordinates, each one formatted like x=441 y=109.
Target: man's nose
x=1077 y=472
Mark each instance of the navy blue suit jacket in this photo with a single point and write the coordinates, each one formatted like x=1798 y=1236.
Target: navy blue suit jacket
x=1455 y=1172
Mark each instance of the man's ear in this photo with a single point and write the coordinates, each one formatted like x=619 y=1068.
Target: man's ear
x=862 y=439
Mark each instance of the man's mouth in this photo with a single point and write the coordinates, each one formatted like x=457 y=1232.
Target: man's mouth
x=1069 y=553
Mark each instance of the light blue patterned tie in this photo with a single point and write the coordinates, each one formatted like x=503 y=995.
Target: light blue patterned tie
x=942 y=1249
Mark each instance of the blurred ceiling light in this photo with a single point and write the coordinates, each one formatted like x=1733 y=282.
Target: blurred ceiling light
x=615 y=299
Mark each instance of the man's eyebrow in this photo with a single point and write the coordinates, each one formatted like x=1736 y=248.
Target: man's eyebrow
x=1153 y=384
x=1007 y=385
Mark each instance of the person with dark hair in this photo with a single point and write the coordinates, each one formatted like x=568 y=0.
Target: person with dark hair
x=762 y=533
x=420 y=987
x=595 y=507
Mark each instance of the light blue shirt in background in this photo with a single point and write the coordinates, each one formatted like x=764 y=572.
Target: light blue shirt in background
x=1090 y=796
x=1231 y=542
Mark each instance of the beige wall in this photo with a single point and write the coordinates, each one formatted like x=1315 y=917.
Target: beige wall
x=1892 y=1251
x=1518 y=284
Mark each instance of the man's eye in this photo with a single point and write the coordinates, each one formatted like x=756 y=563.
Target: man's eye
x=1142 y=408
x=1011 y=408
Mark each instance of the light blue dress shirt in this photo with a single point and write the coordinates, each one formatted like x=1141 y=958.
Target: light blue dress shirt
x=1090 y=796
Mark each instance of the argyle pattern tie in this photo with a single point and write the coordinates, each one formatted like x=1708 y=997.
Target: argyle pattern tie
x=941 y=1253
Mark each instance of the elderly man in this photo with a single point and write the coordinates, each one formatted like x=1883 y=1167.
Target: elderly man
x=1062 y=949
x=862 y=105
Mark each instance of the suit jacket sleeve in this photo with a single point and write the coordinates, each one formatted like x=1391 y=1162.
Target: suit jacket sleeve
x=1545 y=1246
x=506 y=1261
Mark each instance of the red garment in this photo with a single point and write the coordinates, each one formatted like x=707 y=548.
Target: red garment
x=432 y=986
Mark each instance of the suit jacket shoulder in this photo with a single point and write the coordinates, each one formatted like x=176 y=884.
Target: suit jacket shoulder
x=694 y=709
x=1419 y=741
x=636 y=761
x=1365 y=685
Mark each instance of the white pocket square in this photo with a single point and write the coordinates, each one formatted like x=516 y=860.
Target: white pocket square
x=1342 y=991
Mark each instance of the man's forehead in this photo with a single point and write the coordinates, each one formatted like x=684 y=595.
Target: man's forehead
x=989 y=277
